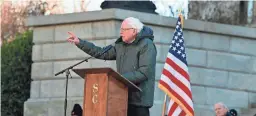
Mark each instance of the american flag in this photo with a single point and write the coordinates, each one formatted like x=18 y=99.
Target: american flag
x=175 y=80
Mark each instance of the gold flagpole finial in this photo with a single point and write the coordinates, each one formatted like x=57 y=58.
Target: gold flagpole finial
x=181 y=17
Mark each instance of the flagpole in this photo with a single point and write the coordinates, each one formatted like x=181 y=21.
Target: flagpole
x=164 y=105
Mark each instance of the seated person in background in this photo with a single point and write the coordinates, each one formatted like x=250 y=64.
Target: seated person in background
x=77 y=110
x=233 y=112
x=221 y=109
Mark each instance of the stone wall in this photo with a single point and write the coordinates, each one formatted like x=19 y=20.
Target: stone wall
x=225 y=12
x=221 y=58
x=215 y=11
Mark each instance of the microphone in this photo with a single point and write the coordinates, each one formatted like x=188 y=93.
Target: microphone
x=107 y=48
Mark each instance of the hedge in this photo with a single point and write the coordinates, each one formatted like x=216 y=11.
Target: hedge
x=16 y=74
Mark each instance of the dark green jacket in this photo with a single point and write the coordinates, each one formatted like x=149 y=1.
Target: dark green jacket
x=135 y=61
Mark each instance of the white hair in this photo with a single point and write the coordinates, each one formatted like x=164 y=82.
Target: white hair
x=222 y=104
x=134 y=23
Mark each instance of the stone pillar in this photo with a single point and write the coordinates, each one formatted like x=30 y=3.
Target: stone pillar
x=254 y=15
x=219 y=66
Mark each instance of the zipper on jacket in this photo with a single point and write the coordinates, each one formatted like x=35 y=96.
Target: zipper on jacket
x=122 y=59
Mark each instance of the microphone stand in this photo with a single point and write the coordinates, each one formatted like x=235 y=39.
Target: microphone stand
x=67 y=72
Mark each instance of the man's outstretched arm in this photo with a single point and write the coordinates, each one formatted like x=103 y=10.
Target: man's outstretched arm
x=91 y=49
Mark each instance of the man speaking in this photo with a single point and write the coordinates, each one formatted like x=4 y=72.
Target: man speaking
x=135 y=55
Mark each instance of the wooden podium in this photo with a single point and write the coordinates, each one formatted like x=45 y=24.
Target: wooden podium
x=105 y=92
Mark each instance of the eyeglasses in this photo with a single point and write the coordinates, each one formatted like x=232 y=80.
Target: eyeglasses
x=125 y=29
